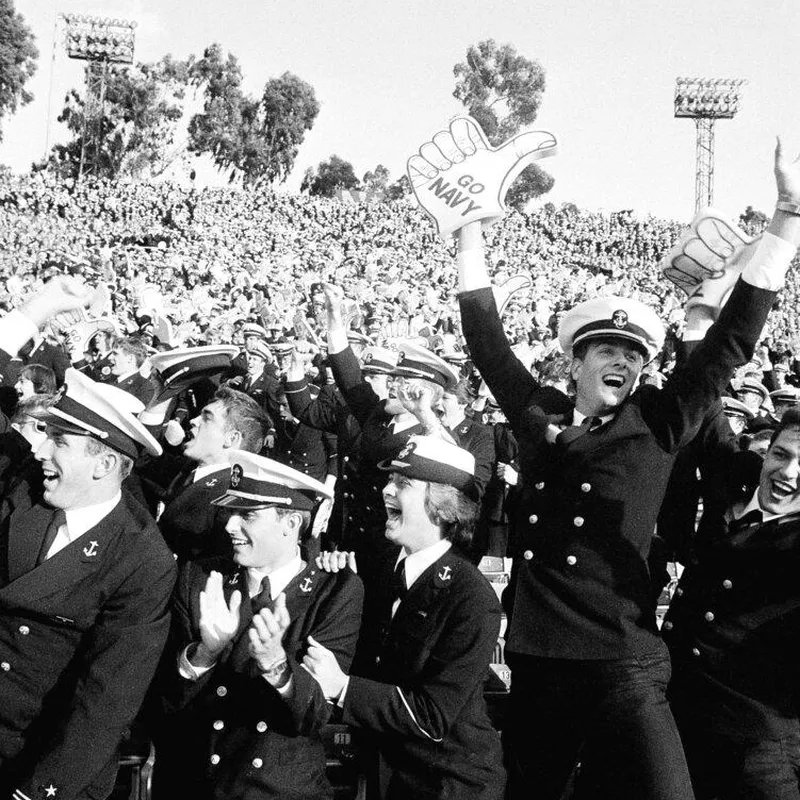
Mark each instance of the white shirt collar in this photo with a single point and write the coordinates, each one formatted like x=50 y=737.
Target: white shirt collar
x=578 y=418
x=279 y=579
x=404 y=421
x=80 y=520
x=754 y=505
x=417 y=563
x=127 y=375
x=201 y=472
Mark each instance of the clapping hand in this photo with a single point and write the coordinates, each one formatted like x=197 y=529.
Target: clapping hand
x=266 y=634
x=219 y=620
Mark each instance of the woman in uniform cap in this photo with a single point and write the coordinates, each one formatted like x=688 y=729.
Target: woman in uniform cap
x=441 y=620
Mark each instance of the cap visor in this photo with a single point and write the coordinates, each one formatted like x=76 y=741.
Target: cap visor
x=60 y=424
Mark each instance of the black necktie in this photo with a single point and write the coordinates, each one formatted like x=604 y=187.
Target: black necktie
x=264 y=597
x=59 y=519
x=399 y=588
x=754 y=517
x=573 y=432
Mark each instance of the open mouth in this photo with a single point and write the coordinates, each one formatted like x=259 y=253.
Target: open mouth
x=239 y=542
x=614 y=381
x=393 y=513
x=50 y=477
x=781 y=490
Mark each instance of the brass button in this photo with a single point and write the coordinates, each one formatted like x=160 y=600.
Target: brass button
x=540 y=485
x=679 y=592
x=667 y=626
x=533 y=519
x=528 y=555
x=695 y=652
x=258 y=763
x=24 y=630
x=586 y=487
x=261 y=727
x=709 y=616
x=215 y=759
x=5 y=666
x=572 y=561
x=726 y=584
x=578 y=522
x=221 y=691
x=218 y=725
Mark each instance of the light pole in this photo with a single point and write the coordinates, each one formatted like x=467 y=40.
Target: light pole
x=99 y=41
x=705 y=100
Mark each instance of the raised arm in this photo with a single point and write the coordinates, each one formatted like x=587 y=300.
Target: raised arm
x=676 y=414
x=512 y=385
x=358 y=394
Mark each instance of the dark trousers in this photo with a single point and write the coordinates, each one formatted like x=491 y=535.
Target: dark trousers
x=611 y=716
x=729 y=760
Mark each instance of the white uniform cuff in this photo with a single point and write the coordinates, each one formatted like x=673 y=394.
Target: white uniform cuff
x=15 y=330
x=472 y=272
x=767 y=268
x=187 y=669
x=340 y=698
x=337 y=341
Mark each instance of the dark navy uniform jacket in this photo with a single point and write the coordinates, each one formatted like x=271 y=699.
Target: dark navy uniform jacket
x=242 y=739
x=426 y=702
x=329 y=412
x=733 y=630
x=365 y=519
x=580 y=588
x=478 y=439
x=80 y=638
x=137 y=385
x=191 y=526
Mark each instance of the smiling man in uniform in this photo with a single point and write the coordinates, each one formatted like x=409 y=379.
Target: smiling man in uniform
x=250 y=715
x=84 y=582
x=589 y=670
x=733 y=630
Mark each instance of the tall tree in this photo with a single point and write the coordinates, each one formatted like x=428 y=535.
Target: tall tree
x=376 y=181
x=257 y=139
x=503 y=90
x=18 y=56
x=330 y=175
x=143 y=106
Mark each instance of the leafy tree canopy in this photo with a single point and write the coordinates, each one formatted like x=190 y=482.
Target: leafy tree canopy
x=18 y=56
x=503 y=90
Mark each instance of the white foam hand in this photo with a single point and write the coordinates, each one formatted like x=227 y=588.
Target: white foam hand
x=458 y=177
x=705 y=251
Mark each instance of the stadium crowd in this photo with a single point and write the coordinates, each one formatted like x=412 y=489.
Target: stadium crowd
x=219 y=406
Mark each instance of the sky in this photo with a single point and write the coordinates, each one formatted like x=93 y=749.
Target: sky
x=383 y=75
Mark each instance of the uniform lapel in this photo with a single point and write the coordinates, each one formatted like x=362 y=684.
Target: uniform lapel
x=63 y=570
x=426 y=590
x=26 y=529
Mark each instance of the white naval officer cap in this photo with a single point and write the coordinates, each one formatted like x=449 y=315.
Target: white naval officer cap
x=85 y=408
x=259 y=482
x=378 y=359
x=416 y=361
x=732 y=407
x=618 y=317
x=429 y=458
x=788 y=395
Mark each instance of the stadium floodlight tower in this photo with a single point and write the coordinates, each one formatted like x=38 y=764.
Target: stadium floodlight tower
x=705 y=100
x=100 y=42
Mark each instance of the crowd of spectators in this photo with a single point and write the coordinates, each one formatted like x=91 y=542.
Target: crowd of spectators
x=204 y=259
